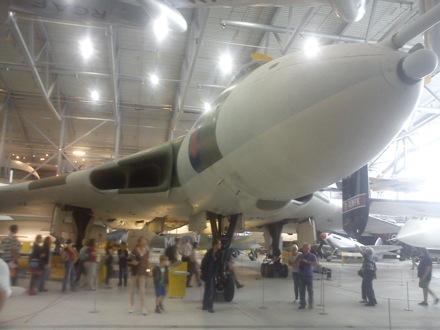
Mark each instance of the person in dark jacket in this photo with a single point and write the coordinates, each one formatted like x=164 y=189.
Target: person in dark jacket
x=160 y=278
x=209 y=274
x=46 y=259
x=368 y=274
x=108 y=266
x=123 y=264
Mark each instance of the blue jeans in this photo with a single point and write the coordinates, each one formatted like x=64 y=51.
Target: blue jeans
x=295 y=277
x=44 y=277
x=123 y=271
x=69 y=276
x=209 y=293
x=305 y=282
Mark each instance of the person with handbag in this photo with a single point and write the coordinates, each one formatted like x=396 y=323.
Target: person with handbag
x=368 y=274
x=35 y=265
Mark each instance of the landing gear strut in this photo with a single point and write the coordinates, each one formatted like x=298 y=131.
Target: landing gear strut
x=272 y=266
x=225 y=282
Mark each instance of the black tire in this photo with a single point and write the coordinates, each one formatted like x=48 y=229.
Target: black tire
x=263 y=270
x=270 y=272
x=229 y=289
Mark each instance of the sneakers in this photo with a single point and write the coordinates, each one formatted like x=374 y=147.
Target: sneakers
x=423 y=303
x=370 y=304
x=239 y=286
x=211 y=310
x=436 y=301
x=363 y=301
x=157 y=310
x=161 y=307
x=302 y=306
x=130 y=310
x=144 y=311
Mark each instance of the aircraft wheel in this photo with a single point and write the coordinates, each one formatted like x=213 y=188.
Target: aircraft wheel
x=229 y=289
x=270 y=272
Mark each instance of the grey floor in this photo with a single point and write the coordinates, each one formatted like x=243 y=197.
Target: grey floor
x=261 y=304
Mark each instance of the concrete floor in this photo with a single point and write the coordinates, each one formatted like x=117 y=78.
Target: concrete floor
x=261 y=304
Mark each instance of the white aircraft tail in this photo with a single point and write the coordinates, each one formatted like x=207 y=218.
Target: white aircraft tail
x=378 y=242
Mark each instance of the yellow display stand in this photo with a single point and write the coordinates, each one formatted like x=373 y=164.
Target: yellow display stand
x=177 y=273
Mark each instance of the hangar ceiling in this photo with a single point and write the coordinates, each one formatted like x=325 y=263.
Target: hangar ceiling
x=45 y=84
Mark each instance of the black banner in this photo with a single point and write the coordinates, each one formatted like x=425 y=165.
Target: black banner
x=355 y=205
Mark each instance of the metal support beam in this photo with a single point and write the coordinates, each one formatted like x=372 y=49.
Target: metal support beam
x=60 y=167
x=5 y=109
x=195 y=39
x=114 y=53
x=86 y=134
x=297 y=31
x=279 y=29
x=31 y=64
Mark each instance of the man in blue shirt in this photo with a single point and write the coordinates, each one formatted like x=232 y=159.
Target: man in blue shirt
x=306 y=262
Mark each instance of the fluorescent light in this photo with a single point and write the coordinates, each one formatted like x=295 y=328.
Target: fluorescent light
x=160 y=27
x=207 y=106
x=79 y=153
x=226 y=63
x=5 y=218
x=86 y=48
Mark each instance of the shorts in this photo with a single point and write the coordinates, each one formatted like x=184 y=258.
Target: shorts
x=424 y=284
x=160 y=290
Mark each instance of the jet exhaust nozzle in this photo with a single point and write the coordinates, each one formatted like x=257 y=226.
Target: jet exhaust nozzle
x=418 y=65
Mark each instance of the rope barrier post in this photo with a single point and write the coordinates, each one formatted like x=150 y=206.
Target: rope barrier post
x=262 y=287
x=407 y=298
x=96 y=292
x=321 y=293
x=389 y=313
x=323 y=298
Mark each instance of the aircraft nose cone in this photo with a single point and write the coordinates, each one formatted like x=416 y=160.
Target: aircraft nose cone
x=418 y=65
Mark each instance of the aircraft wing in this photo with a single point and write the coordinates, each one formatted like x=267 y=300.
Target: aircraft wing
x=381 y=249
x=405 y=208
x=380 y=226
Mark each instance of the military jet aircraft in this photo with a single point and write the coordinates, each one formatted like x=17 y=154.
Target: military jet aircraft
x=260 y=156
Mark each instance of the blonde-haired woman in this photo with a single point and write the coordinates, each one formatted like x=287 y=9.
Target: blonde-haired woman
x=293 y=262
x=139 y=262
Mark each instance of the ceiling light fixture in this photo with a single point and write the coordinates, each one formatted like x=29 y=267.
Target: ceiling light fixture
x=86 y=48
x=311 y=46
x=79 y=153
x=154 y=79
x=94 y=95
x=160 y=27
x=207 y=106
x=226 y=63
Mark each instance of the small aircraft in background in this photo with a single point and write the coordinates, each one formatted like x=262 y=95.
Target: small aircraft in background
x=347 y=244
